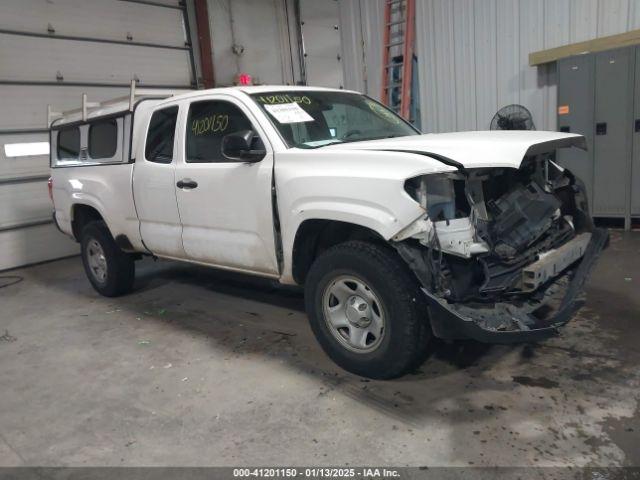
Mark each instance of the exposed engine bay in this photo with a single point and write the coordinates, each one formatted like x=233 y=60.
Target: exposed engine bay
x=499 y=247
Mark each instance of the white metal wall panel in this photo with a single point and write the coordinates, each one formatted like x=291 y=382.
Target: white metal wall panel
x=252 y=25
x=322 y=72
x=257 y=30
x=508 y=42
x=353 y=67
x=531 y=15
x=34 y=59
x=124 y=21
x=372 y=23
x=486 y=59
x=169 y=3
x=319 y=12
x=612 y=17
x=473 y=54
x=557 y=15
x=464 y=64
x=227 y=64
x=322 y=49
x=27 y=166
x=425 y=37
x=321 y=41
x=24 y=203
x=26 y=106
x=634 y=15
x=445 y=64
x=583 y=23
x=33 y=244
x=50 y=53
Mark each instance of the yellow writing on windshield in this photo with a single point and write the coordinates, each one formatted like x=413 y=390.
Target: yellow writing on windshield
x=210 y=124
x=279 y=99
x=382 y=112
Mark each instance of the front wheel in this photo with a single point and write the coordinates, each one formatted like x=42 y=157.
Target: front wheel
x=109 y=269
x=367 y=311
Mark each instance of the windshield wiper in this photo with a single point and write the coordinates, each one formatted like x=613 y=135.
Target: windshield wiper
x=350 y=140
x=309 y=147
x=372 y=138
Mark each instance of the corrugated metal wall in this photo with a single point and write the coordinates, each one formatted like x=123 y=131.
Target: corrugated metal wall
x=473 y=54
x=361 y=36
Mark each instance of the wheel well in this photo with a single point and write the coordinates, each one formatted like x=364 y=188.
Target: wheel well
x=80 y=216
x=315 y=236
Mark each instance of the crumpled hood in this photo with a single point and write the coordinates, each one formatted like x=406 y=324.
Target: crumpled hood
x=475 y=149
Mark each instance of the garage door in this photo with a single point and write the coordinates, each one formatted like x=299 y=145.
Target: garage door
x=52 y=51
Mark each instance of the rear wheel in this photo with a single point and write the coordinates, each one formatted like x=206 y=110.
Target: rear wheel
x=109 y=269
x=367 y=311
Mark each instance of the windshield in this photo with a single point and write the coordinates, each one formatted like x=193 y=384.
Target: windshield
x=311 y=119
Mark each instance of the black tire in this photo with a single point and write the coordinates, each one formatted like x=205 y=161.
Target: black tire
x=404 y=342
x=120 y=266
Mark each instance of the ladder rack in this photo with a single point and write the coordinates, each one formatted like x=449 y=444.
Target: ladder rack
x=397 y=55
x=89 y=107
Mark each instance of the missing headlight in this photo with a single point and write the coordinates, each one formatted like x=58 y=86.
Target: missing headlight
x=442 y=196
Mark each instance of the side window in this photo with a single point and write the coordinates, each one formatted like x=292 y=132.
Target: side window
x=103 y=139
x=69 y=143
x=207 y=123
x=162 y=129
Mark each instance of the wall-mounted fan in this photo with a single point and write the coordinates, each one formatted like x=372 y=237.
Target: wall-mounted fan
x=512 y=117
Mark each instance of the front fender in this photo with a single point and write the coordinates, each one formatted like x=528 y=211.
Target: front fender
x=361 y=188
x=381 y=218
x=374 y=216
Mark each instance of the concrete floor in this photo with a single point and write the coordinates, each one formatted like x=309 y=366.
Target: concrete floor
x=198 y=367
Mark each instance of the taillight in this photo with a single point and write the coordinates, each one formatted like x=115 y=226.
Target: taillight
x=50 y=185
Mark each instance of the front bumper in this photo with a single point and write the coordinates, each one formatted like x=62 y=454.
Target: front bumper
x=455 y=321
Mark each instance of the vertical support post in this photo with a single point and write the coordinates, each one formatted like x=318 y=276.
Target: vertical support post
x=204 y=43
x=300 y=40
x=84 y=107
x=407 y=58
x=132 y=95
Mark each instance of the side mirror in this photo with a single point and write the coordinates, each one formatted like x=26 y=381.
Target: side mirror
x=239 y=147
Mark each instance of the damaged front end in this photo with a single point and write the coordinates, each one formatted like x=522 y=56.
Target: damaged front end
x=502 y=254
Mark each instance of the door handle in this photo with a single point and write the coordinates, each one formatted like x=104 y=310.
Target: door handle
x=186 y=183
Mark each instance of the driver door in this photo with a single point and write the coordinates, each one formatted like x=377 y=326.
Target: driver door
x=225 y=206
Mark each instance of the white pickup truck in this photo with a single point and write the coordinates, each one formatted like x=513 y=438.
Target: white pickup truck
x=396 y=236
